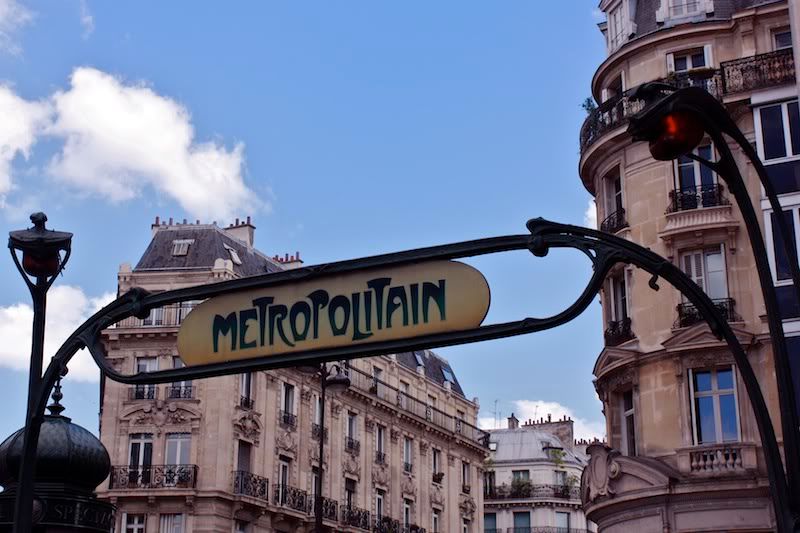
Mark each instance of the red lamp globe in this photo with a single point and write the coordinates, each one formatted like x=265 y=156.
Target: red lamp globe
x=680 y=133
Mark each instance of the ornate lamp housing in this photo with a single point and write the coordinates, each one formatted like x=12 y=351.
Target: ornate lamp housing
x=41 y=249
x=338 y=382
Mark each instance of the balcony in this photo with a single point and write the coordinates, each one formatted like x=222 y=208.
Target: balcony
x=716 y=460
x=614 y=222
x=385 y=524
x=758 y=72
x=180 y=392
x=466 y=489
x=366 y=383
x=689 y=315
x=288 y=420
x=143 y=392
x=330 y=509
x=408 y=468
x=380 y=458
x=291 y=498
x=153 y=477
x=412 y=528
x=248 y=484
x=618 y=331
x=355 y=517
x=316 y=430
x=740 y=75
x=696 y=197
x=352 y=445
x=438 y=477
x=246 y=403
x=526 y=490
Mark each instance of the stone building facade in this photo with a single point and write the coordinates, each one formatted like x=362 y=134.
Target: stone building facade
x=240 y=453
x=532 y=478
x=684 y=452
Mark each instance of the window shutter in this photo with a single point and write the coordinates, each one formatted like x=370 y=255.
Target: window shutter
x=661 y=12
x=670 y=63
x=693 y=267
x=708 y=51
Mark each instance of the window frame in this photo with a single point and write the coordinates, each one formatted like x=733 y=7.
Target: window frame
x=715 y=393
x=161 y=518
x=134 y=528
x=180 y=247
x=616 y=16
x=787 y=132
x=613 y=280
x=794 y=209
x=625 y=413
x=779 y=31
x=704 y=252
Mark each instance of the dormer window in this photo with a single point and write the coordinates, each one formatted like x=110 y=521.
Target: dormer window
x=448 y=376
x=420 y=360
x=181 y=246
x=234 y=255
x=683 y=8
x=616 y=26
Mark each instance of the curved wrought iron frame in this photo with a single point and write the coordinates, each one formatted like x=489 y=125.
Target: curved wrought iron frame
x=603 y=250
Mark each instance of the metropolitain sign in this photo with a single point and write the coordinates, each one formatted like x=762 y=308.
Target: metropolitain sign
x=358 y=307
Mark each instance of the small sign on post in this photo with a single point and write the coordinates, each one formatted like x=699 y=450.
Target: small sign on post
x=353 y=308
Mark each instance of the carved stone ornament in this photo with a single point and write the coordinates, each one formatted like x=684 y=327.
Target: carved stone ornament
x=159 y=414
x=423 y=447
x=351 y=465
x=451 y=460
x=602 y=469
x=336 y=408
x=622 y=378
x=313 y=456
x=305 y=394
x=248 y=426
x=437 y=496
x=467 y=506
x=394 y=434
x=707 y=359
x=369 y=424
x=408 y=487
x=380 y=476
x=285 y=442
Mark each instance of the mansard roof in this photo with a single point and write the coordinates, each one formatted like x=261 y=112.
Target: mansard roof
x=209 y=245
x=435 y=367
x=527 y=443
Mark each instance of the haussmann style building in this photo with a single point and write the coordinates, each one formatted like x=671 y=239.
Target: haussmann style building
x=532 y=478
x=240 y=453
x=683 y=449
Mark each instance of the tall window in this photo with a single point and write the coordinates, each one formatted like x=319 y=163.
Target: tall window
x=613 y=192
x=436 y=521
x=287 y=398
x=246 y=390
x=682 y=8
x=714 y=410
x=628 y=423
x=408 y=454
x=404 y=394
x=560 y=477
x=619 y=297
x=140 y=458
x=522 y=520
x=406 y=512
x=616 y=26
x=145 y=364
x=707 y=269
x=489 y=522
x=520 y=475
x=778 y=144
x=349 y=492
x=695 y=184
x=284 y=475
x=134 y=523
x=180 y=389
x=379 y=500
x=178 y=449
x=465 y=477
x=317 y=409
x=562 y=521
x=314 y=480
x=352 y=425
x=780 y=261
x=243 y=453
x=436 y=456
x=171 y=523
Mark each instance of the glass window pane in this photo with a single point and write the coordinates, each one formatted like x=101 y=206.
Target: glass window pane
x=489 y=521
x=681 y=63
x=794 y=126
x=772 y=132
x=706 y=430
x=702 y=381
x=706 y=174
x=727 y=414
x=686 y=176
x=522 y=519
x=785 y=177
x=698 y=60
x=782 y=269
x=716 y=281
x=627 y=400
x=630 y=435
x=725 y=379
x=562 y=520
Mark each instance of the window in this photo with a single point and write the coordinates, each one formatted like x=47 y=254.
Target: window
x=318 y=409
x=245 y=390
x=520 y=475
x=448 y=375
x=616 y=27
x=180 y=389
x=178 y=449
x=377 y=373
x=134 y=523
x=314 y=481
x=489 y=521
x=404 y=394
x=171 y=523
x=780 y=261
x=352 y=425
x=687 y=60
x=707 y=269
x=436 y=455
x=140 y=458
x=408 y=454
x=782 y=39
x=243 y=456
x=435 y=521
x=695 y=184
x=420 y=360
x=465 y=477
x=612 y=184
x=406 y=512
x=522 y=520
x=619 y=297
x=682 y=8
x=778 y=144
x=562 y=521
x=181 y=246
x=628 y=424
x=145 y=364
x=379 y=510
x=234 y=255
x=349 y=492
x=714 y=409
x=287 y=399
x=241 y=527
x=465 y=526
x=380 y=440
x=431 y=400
x=283 y=475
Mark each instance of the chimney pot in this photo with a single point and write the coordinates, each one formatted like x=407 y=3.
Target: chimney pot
x=248 y=219
x=548 y=417
x=197 y=221
x=184 y=221
x=170 y=221
x=237 y=222
x=157 y=220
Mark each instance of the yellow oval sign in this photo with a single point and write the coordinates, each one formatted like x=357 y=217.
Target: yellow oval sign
x=357 y=307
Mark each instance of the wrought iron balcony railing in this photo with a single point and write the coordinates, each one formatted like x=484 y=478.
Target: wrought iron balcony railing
x=696 y=198
x=380 y=458
x=761 y=71
x=614 y=222
x=530 y=490
x=618 y=331
x=539 y=529
x=355 y=517
x=330 y=509
x=143 y=392
x=438 y=477
x=688 y=314
x=288 y=419
x=362 y=381
x=412 y=528
x=758 y=72
x=246 y=402
x=386 y=524
x=408 y=467
x=153 y=477
x=291 y=498
x=316 y=429
x=180 y=392
x=249 y=484
x=352 y=445
x=466 y=489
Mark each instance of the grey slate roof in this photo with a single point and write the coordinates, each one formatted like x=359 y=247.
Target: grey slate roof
x=209 y=245
x=433 y=367
x=528 y=444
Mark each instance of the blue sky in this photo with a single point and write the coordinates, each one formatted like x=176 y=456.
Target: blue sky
x=344 y=129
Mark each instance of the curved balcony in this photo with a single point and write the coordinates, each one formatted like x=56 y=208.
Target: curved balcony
x=524 y=491
x=618 y=331
x=153 y=477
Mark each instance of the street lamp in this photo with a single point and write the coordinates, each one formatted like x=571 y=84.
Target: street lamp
x=335 y=382
x=42 y=260
x=674 y=123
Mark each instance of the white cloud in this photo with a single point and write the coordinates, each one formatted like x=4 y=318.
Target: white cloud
x=121 y=138
x=13 y=16
x=536 y=409
x=67 y=308
x=590 y=215
x=87 y=20
x=21 y=124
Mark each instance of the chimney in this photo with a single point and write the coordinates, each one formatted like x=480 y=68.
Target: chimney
x=513 y=423
x=289 y=262
x=242 y=231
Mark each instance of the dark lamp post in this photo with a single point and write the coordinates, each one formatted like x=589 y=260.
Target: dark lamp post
x=41 y=251
x=677 y=134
